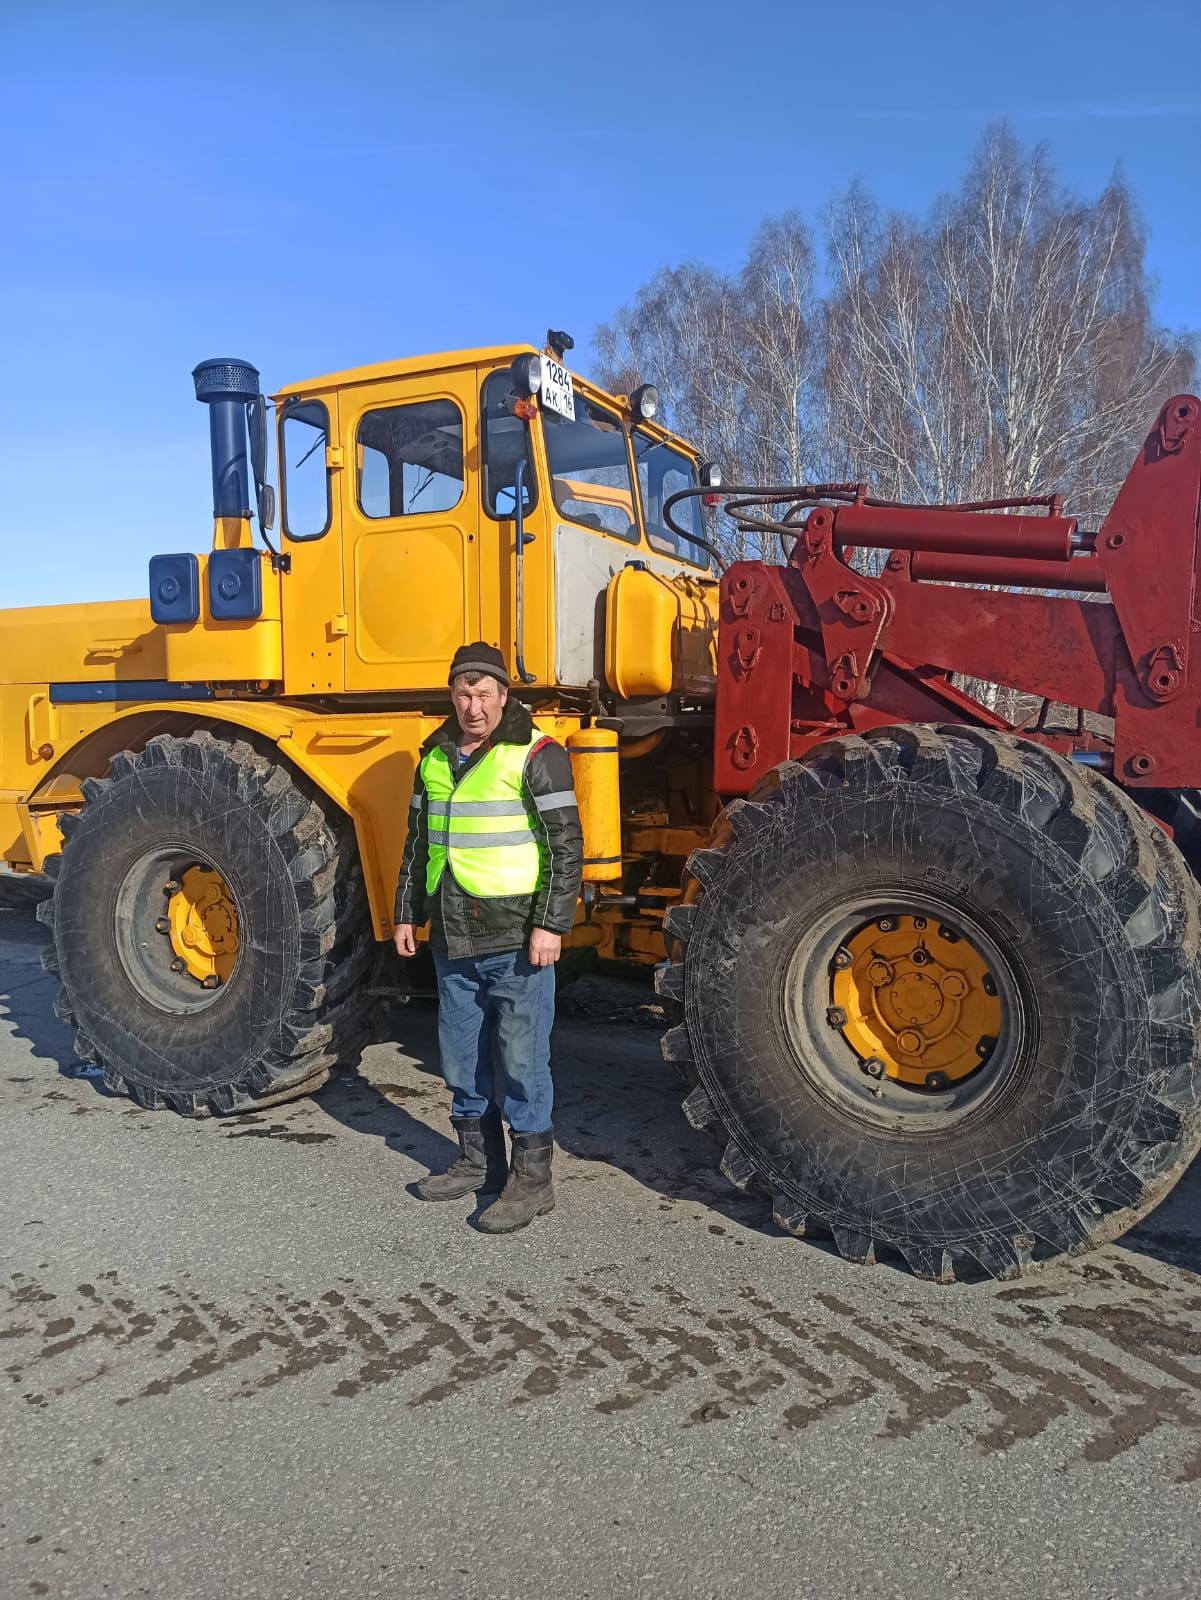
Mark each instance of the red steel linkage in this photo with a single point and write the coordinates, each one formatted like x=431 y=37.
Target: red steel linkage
x=815 y=646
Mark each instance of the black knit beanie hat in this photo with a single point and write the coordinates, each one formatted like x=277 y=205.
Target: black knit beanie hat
x=479 y=657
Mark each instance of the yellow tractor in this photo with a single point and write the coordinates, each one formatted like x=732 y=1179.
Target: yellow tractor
x=935 y=975
x=222 y=768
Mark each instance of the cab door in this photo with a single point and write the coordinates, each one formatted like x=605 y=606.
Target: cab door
x=411 y=528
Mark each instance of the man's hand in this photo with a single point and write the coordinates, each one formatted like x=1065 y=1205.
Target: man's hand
x=545 y=948
x=404 y=936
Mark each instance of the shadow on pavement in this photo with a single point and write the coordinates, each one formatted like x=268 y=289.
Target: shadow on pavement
x=27 y=995
x=617 y=1102
x=1172 y=1232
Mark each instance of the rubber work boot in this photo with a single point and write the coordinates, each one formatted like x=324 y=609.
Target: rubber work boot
x=528 y=1193
x=481 y=1164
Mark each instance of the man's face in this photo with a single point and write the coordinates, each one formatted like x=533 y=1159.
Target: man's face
x=479 y=705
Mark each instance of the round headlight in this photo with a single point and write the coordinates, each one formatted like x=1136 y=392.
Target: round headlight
x=710 y=475
x=527 y=374
x=644 y=402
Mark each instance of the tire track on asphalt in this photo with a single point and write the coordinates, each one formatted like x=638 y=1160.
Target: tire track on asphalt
x=1108 y=1344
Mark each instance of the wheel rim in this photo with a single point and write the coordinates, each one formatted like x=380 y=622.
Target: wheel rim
x=204 y=925
x=176 y=928
x=904 y=1011
x=918 y=997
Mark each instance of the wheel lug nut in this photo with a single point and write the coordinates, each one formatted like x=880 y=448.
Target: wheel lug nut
x=989 y=983
x=170 y=887
x=948 y=934
x=984 y=1044
x=211 y=982
x=919 y=922
x=836 y=1016
x=842 y=959
x=177 y=965
x=162 y=926
x=886 y=924
x=936 y=1080
x=874 y=1067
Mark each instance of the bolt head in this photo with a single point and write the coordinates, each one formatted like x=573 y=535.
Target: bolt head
x=836 y=1016
x=874 y=1067
x=886 y=924
x=936 y=1080
x=162 y=926
x=177 y=965
x=842 y=959
x=211 y=982
x=171 y=887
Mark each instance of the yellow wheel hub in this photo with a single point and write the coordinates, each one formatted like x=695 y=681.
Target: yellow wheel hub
x=203 y=926
x=917 y=998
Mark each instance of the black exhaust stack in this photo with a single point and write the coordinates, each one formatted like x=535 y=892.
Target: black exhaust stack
x=228 y=388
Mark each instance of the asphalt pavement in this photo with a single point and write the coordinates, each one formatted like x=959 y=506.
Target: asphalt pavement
x=240 y=1359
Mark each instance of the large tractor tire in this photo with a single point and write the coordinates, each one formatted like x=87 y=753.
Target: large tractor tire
x=942 y=997
x=210 y=927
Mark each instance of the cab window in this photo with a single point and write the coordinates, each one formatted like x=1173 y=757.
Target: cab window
x=304 y=435
x=663 y=472
x=506 y=442
x=410 y=459
x=590 y=469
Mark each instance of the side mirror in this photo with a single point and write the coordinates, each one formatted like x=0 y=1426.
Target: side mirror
x=266 y=507
x=710 y=475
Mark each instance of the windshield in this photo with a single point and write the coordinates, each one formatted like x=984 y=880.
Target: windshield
x=590 y=469
x=663 y=472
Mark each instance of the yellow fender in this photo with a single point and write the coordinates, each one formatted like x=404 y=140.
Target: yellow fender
x=334 y=751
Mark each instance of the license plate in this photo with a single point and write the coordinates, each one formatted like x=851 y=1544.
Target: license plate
x=557 y=392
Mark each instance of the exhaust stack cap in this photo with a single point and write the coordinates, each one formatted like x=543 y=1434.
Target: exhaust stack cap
x=225 y=378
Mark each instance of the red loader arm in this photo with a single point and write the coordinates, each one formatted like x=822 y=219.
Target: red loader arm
x=816 y=648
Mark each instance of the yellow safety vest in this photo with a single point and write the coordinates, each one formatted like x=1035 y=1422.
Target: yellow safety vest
x=482 y=825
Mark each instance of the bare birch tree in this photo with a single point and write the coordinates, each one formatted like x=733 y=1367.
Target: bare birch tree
x=1003 y=345
x=734 y=358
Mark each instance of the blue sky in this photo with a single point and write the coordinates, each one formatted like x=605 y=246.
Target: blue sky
x=315 y=186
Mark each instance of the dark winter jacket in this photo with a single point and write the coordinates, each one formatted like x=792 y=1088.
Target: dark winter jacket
x=463 y=924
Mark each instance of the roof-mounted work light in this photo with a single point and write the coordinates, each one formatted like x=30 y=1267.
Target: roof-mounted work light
x=644 y=402
x=526 y=373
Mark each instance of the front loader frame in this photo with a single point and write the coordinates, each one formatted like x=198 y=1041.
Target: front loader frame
x=816 y=648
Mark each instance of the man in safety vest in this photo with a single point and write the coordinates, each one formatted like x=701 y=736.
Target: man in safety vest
x=492 y=861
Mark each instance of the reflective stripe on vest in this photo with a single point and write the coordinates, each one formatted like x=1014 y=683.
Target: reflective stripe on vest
x=482 y=826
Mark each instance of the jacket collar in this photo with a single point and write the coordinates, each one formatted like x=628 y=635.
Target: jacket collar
x=516 y=726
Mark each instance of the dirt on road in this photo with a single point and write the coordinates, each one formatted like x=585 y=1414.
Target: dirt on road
x=255 y=1316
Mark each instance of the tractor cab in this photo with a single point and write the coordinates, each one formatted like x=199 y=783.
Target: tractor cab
x=478 y=494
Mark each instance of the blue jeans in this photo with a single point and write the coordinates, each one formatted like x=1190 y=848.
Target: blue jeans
x=494 y=1021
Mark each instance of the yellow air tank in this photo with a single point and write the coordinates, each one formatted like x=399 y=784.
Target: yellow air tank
x=594 y=763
